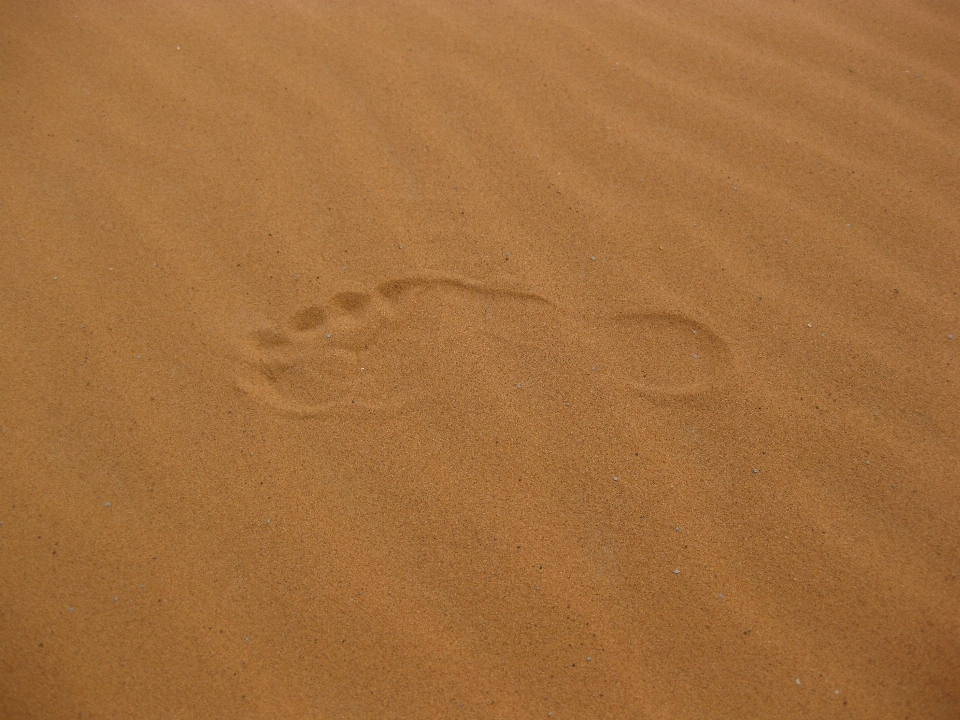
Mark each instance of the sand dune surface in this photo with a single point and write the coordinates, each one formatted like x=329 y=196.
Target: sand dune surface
x=480 y=359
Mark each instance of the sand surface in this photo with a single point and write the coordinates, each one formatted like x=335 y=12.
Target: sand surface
x=480 y=359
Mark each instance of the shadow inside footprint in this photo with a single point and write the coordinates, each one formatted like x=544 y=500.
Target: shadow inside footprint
x=308 y=318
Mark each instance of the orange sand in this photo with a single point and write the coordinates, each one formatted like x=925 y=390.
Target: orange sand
x=467 y=359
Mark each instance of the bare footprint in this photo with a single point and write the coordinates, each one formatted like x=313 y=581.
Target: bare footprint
x=318 y=362
x=383 y=348
x=664 y=354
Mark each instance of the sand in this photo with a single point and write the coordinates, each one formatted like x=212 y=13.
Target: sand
x=480 y=360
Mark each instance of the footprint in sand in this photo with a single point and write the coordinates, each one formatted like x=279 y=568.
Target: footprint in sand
x=383 y=348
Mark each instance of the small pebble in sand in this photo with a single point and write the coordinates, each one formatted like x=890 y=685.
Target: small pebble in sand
x=106 y=504
x=798 y=681
x=950 y=337
x=676 y=571
x=755 y=471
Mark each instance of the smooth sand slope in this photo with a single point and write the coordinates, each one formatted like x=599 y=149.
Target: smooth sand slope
x=480 y=359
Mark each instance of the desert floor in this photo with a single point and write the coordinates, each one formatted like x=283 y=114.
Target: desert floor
x=480 y=359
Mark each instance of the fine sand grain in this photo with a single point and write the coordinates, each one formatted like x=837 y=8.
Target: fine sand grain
x=480 y=359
